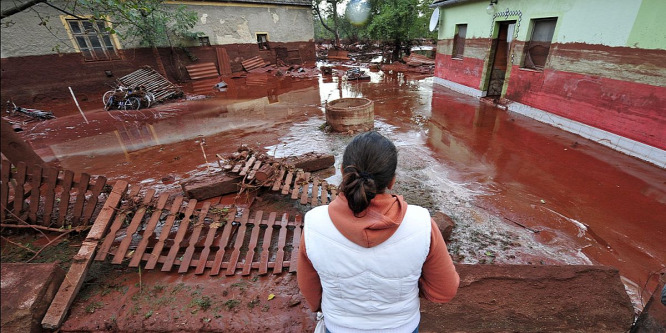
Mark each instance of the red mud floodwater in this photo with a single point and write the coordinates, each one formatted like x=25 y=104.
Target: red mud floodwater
x=520 y=191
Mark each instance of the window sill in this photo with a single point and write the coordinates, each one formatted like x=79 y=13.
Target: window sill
x=457 y=58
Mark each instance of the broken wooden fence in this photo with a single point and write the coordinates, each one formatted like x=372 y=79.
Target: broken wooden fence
x=153 y=81
x=200 y=237
x=48 y=196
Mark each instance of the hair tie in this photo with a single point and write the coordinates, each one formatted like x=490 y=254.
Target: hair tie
x=364 y=175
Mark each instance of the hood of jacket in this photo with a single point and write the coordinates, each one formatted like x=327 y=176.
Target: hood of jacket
x=377 y=223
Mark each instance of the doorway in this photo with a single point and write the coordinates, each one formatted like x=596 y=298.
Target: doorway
x=499 y=56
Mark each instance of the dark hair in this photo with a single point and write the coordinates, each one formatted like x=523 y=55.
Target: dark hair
x=368 y=166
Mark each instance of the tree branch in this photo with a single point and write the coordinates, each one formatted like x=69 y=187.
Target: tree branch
x=11 y=11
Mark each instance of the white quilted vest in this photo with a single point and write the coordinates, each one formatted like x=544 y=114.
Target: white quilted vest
x=369 y=288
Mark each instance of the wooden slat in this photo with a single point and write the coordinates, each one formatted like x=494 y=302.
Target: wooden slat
x=278 y=181
x=222 y=244
x=304 y=196
x=134 y=225
x=268 y=235
x=164 y=233
x=4 y=187
x=295 y=244
x=254 y=239
x=248 y=164
x=287 y=183
x=20 y=188
x=282 y=241
x=94 y=198
x=82 y=260
x=80 y=198
x=297 y=185
x=256 y=166
x=324 y=193
x=237 y=167
x=36 y=183
x=194 y=238
x=117 y=223
x=180 y=235
x=315 y=192
x=203 y=257
x=148 y=232
x=67 y=182
x=238 y=243
x=49 y=194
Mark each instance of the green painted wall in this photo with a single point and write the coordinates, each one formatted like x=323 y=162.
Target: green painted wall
x=649 y=30
x=633 y=23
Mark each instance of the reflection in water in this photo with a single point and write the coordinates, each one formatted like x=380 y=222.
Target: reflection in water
x=607 y=206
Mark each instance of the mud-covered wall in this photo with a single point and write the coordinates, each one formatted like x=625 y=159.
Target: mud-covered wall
x=606 y=71
x=39 y=63
x=233 y=23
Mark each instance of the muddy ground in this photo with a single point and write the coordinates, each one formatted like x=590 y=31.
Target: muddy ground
x=520 y=192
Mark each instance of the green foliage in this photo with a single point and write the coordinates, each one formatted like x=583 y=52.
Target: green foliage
x=150 y=21
x=397 y=22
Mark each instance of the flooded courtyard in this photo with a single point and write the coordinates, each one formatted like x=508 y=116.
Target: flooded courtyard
x=521 y=192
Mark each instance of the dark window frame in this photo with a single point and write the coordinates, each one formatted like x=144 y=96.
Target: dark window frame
x=537 y=49
x=459 y=41
x=93 y=40
x=262 y=41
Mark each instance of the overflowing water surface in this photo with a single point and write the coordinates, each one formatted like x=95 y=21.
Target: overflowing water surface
x=521 y=192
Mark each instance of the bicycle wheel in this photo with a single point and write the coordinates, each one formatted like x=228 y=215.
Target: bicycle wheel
x=110 y=103
x=132 y=103
x=107 y=95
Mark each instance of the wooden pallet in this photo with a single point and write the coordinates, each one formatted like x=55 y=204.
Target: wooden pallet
x=153 y=81
x=48 y=196
x=209 y=238
x=254 y=63
x=292 y=182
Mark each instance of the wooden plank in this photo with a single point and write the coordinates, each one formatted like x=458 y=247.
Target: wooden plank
x=210 y=236
x=148 y=232
x=222 y=244
x=164 y=233
x=315 y=192
x=67 y=182
x=81 y=261
x=324 y=193
x=304 y=196
x=4 y=187
x=256 y=166
x=282 y=241
x=237 y=168
x=254 y=239
x=20 y=188
x=134 y=225
x=297 y=185
x=278 y=181
x=287 y=183
x=194 y=238
x=80 y=198
x=49 y=194
x=268 y=235
x=295 y=244
x=107 y=212
x=35 y=184
x=117 y=223
x=240 y=239
x=94 y=198
x=69 y=287
x=180 y=235
x=247 y=166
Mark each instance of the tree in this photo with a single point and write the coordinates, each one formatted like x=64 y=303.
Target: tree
x=330 y=12
x=399 y=22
